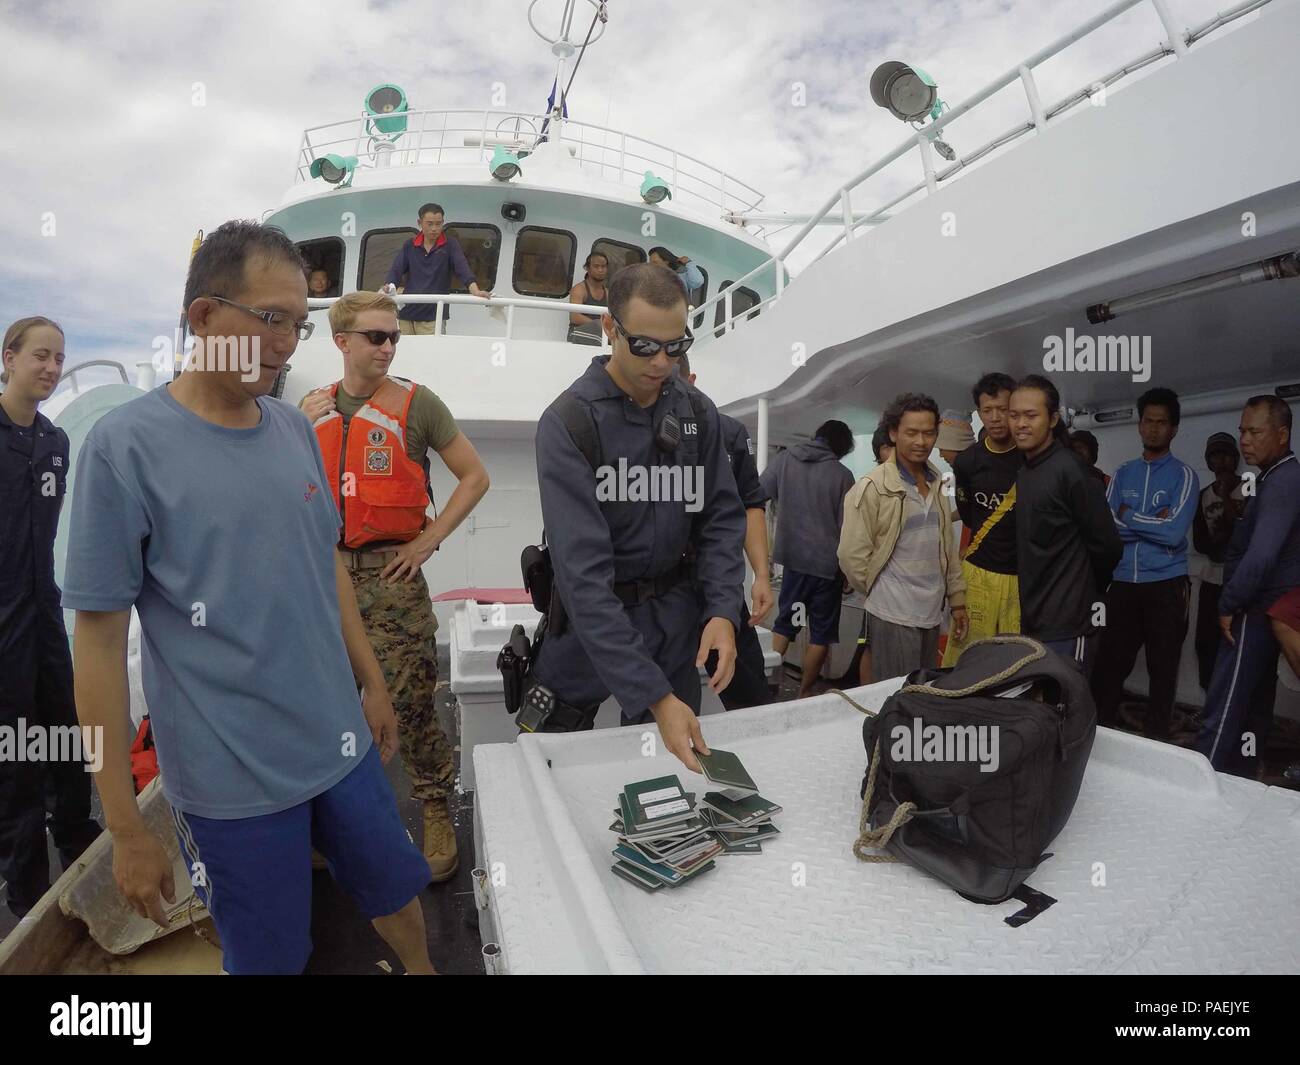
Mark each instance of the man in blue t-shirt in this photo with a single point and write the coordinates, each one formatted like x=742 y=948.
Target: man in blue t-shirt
x=204 y=505
x=1153 y=500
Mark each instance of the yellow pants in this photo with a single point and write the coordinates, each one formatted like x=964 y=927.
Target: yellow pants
x=410 y=328
x=992 y=604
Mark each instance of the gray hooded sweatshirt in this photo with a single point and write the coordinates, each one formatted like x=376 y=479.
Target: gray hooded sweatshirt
x=808 y=484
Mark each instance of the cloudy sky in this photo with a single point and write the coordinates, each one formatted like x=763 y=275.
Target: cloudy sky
x=110 y=167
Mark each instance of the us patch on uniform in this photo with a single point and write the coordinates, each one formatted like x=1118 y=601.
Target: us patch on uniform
x=379 y=460
x=375 y=436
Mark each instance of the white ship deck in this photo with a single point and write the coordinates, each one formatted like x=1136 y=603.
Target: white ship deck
x=1202 y=870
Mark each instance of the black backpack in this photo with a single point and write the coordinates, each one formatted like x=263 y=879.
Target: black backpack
x=982 y=832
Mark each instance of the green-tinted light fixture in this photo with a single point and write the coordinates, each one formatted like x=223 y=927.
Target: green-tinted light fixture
x=655 y=189
x=908 y=93
x=336 y=169
x=388 y=105
x=505 y=165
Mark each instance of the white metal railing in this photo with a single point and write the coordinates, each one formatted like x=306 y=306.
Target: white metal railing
x=507 y=304
x=467 y=138
x=69 y=380
x=841 y=201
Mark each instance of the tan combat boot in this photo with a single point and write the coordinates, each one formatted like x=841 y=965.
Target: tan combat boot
x=439 y=840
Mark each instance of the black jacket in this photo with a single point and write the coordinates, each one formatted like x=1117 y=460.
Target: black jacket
x=33 y=478
x=1066 y=545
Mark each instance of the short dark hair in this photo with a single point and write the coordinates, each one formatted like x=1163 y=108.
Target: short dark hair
x=663 y=253
x=1279 y=411
x=907 y=403
x=431 y=208
x=990 y=385
x=880 y=439
x=219 y=267
x=647 y=282
x=1161 y=397
x=1082 y=436
x=1053 y=400
x=838 y=437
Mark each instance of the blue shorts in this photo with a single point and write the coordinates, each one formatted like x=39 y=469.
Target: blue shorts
x=820 y=598
x=256 y=871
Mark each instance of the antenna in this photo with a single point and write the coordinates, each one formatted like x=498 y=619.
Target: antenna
x=563 y=48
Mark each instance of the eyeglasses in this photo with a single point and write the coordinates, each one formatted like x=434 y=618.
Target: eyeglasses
x=377 y=336
x=279 y=322
x=645 y=347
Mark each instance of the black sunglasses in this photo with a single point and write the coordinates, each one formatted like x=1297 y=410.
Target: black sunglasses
x=377 y=336
x=646 y=347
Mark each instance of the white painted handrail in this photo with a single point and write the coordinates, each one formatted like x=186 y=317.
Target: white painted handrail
x=464 y=299
x=466 y=137
x=841 y=201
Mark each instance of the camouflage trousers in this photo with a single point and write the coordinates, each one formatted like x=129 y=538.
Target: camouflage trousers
x=400 y=624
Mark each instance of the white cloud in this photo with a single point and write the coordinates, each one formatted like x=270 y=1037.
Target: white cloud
x=100 y=127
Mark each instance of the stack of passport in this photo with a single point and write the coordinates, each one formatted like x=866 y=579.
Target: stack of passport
x=738 y=817
x=662 y=840
x=665 y=839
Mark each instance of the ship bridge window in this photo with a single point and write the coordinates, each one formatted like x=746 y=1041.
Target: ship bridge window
x=481 y=244
x=544 y=261
x=323 y=256
x=379 y=248
x=618 y=254
x=743 y=299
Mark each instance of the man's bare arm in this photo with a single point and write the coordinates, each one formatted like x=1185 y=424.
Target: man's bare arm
x=104 y=703
x=141 y=867
x=472 y=484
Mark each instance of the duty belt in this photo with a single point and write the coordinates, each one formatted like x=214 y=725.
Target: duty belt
x=362 y=560
x=634 y=593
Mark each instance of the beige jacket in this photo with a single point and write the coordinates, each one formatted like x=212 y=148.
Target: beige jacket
x=873 y=518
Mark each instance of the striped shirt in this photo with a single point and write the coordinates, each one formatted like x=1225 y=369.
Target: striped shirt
x=910 y=589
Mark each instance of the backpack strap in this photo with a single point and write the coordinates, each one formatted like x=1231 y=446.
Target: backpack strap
x=1033 y=652
x=581 y=424
x=877 y=839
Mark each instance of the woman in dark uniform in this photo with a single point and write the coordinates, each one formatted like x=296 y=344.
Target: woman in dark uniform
x=35 y=663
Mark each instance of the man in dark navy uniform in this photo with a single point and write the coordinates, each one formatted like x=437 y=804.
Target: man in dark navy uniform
x=749 y=685
x=645 y=526
x=35 y=660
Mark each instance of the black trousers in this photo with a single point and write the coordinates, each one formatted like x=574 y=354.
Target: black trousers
x=1208 y=633
x=748 y=685
x=36 y=690
x=1151 y=615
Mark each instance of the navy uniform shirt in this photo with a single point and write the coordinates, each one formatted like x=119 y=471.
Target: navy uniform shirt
x=594 y=544
x=740 y=453
x=33 y=479
x=428 y=274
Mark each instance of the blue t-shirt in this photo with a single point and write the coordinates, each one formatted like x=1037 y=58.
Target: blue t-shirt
x=224 y=541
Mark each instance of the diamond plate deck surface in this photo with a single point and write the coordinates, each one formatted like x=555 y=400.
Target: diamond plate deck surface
x=1201 y=871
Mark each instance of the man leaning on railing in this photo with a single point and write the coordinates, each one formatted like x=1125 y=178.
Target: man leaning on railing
x=427 y=261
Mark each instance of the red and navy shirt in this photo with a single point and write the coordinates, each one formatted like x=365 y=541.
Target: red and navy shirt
x=428 y=274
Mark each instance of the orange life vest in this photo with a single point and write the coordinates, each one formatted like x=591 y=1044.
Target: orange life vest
x=380 y=491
